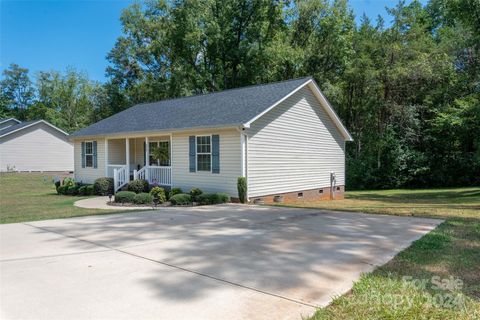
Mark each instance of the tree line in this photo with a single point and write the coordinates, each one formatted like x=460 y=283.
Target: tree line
x=408 y=88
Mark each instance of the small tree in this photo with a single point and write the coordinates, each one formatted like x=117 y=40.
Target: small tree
x=242 y=189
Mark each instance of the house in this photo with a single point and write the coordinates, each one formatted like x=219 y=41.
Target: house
x=34 y=146
x=284 y=137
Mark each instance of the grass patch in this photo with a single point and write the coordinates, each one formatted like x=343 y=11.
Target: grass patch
x=436 y=203
x=32 y=196
x=407 y=286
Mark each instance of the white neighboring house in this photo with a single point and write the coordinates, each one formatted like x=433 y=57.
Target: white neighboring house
x=34 y=146
x=284 y=137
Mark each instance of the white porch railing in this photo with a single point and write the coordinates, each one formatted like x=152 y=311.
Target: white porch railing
x=155 y=174
x=120 y=177
x=112 y=167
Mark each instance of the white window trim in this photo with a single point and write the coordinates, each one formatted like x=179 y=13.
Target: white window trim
x=196 y=153
x=89 y=154
x=157 y=142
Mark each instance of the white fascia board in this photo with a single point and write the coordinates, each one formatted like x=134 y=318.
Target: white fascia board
x=331 y=112
x=247 y=124
x=35 y=123
x=8 y=119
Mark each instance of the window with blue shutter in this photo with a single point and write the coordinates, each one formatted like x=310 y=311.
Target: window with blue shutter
x=215 y=153
x=89 y=151
x=95 y=154
x=192 y=153
x=83 y=154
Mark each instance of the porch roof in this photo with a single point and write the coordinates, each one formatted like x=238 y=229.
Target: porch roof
x=226 y=108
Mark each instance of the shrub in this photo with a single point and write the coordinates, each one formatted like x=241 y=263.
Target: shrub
x=103 y=186
x=138 y=186
x=125 y=196
x=158 y=193
x=242 y=189
x=181 y=198
x=82 y=190
x=72 y=190
x=62 y=190
x=89 y=190
x=195 y=192
x=57 y=184
x=174 y=191
x=143 y=198
x=69 y=182
x=213 y=198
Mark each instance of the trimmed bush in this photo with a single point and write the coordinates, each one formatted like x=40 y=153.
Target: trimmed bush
x=142 y=198
x=242 y=189
x=69 y=182
x=72 y=190
x=82 y=190
x=174 y=191
x=62 y=190
x=57 y=184
x=158 y=193
x=213 y=198
x=181 y=199
x=103 y=186
x=138 y=186
x=89 y=191
x=125 y=196
x=195 y=192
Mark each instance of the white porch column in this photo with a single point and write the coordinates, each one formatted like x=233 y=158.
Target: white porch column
x=106 y=157
x=147 y=159
x=127 y=157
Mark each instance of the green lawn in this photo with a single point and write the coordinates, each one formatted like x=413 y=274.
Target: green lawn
x=451 y=252
x=32 y=196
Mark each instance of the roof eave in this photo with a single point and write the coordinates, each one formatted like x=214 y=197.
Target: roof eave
x=32 y=124
x=140 y=134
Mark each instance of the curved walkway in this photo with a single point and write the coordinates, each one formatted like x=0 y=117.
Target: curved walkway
x=101 y=203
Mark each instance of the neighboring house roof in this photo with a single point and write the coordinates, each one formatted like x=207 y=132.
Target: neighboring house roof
x=2 y=120
x=23 y=125
x=228 y=108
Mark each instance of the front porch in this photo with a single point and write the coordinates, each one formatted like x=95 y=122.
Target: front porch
x=135 y=158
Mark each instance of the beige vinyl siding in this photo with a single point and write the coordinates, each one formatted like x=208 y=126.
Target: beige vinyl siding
x=225 y=181
x=294 y=147
x=116 y=151
x=88 y=175
x=36 y=148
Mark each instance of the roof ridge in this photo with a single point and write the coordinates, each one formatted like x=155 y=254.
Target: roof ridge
x=231 y=89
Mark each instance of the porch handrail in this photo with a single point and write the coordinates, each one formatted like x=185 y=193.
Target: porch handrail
x=120 y=177
x=141 y=174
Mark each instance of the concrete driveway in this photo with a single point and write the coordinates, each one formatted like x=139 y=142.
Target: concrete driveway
x=221 y=262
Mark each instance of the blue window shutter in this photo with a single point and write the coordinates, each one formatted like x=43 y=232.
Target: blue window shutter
x=83 y=154
x=215 y=153
x=144 y=153
x=192 y=154
x=95 y=154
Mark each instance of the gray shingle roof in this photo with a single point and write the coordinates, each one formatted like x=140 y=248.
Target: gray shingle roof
x=16 y=127
x=219 y=109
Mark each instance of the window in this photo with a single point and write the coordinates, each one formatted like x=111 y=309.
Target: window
x=204 y=153
x=165 y=147
x=89 y=154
